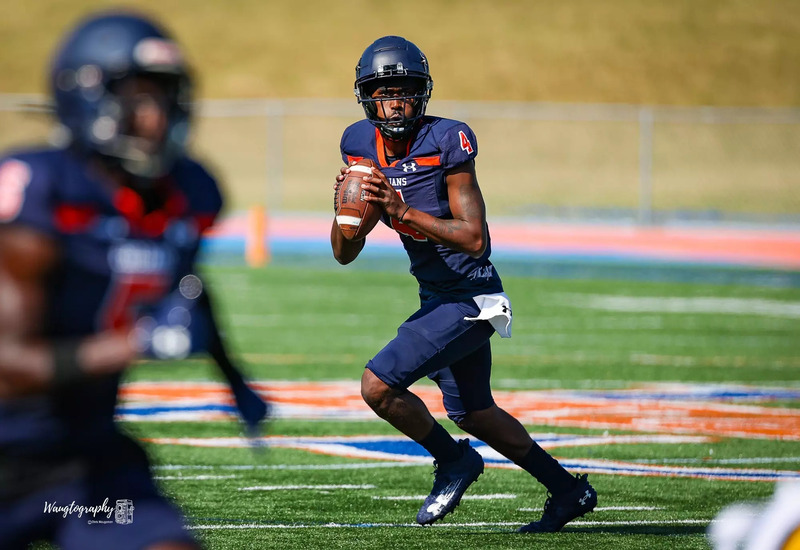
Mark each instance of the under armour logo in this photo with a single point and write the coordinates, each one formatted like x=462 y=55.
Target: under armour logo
x=482 y=272
x=506 y=309
x=409 y=167
x=585 y=497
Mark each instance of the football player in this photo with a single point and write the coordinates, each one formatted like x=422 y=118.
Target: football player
x=96 y=237
x=428 y=190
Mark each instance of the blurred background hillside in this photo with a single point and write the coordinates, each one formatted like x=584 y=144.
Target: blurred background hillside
x=664 y=52
x=621 y=109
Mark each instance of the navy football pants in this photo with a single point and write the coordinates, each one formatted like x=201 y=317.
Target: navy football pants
x=438 y=343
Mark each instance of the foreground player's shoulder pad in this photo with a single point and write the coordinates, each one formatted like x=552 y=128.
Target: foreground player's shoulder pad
x=456 y=141
x=200 y=187
x=28 y=188
x=356 y=139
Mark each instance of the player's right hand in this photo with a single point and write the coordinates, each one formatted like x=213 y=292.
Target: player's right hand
x=107 y=352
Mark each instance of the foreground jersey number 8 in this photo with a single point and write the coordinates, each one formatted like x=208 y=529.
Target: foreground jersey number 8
x=127 y=293
x=14 y=179
x=403 y=229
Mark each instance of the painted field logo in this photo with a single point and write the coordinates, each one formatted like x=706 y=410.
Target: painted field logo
x=123 y=513
x=687 y=409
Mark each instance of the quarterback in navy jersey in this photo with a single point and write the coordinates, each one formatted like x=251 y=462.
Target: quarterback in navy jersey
x=98 y=240
x=427 y=188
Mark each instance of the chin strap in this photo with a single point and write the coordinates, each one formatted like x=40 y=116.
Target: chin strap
x=405 y=134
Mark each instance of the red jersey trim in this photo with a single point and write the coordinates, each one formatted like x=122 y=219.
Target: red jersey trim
x=73 y=218
x=429 y=161
x=351 y=160
x=381 y=150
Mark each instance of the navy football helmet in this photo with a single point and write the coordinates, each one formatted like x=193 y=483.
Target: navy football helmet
x=395 y=58
x=90 y=64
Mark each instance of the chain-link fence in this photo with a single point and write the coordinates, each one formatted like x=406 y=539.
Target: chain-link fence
x=612 y=162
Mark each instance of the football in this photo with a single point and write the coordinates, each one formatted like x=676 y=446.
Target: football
x=356 y=217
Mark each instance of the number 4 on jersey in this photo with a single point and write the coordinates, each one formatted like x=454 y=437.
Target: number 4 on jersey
x=465 y=144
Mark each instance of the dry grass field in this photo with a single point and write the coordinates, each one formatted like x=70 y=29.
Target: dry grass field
x=684 y=52
x=661 y=52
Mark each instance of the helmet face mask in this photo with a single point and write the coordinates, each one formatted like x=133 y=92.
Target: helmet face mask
x=393 y=64
x=142 y=149
x=90 y=73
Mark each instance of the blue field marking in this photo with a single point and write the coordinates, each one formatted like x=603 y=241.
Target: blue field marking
x=700 y=393
x=405 y=451
x=133 y=410
x=408 y=448
x=315 y=253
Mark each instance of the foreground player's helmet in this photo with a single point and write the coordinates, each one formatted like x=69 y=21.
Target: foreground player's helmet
x=89 y=65
x=395 y=58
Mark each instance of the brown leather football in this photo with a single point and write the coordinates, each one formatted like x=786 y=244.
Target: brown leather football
x=356 y=217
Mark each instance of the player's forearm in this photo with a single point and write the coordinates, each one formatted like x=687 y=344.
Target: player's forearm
x=216 y=345
x=460 y=235
x=344 y=250
x=35 y=367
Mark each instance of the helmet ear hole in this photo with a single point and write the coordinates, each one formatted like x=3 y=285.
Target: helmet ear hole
x=371 y=108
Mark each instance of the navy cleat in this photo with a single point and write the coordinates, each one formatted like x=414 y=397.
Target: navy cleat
x=560 y=510
x=450 y=481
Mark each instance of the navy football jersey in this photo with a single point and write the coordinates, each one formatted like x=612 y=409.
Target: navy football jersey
x=115 y=255
x=419 y=177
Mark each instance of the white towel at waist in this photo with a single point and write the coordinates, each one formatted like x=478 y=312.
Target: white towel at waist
x=495 y=308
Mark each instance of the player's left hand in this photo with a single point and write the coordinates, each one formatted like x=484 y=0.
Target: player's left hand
x=382 y=193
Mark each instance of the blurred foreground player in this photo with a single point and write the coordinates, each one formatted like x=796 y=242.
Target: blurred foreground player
x=429 y=193
x=97 y=248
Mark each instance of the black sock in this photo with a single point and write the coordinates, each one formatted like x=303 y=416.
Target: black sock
x=547 y=470
x=441 y=444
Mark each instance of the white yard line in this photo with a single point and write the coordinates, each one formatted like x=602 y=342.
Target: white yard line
x=497 y=496
x=750 y=460
x=346 y=466
x=603 y=509
x=438 y=525
x=304 y=487
x=673 y=304
x=193 y=478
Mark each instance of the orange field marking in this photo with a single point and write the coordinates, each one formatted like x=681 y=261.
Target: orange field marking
x=628 y=410
x=758 y=247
